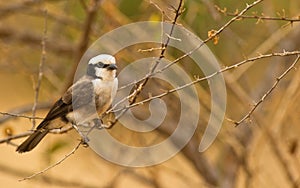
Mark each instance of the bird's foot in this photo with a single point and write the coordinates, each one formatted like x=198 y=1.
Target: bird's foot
x=85 y=140
x=98 y=124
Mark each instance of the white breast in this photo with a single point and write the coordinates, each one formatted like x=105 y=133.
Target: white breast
x=105 y=92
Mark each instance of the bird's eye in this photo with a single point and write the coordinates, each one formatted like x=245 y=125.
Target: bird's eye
x=101 y=65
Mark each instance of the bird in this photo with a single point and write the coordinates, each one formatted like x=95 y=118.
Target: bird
x=93 y=92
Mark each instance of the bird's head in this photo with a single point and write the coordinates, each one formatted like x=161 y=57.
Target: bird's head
x=103 y=67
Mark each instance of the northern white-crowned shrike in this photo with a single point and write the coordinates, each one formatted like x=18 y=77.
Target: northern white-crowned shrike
x=92 y=93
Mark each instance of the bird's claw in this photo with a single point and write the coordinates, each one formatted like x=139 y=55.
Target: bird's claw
x=97 y=123
x=85 y=140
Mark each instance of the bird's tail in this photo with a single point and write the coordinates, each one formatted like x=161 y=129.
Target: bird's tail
x=33 y=140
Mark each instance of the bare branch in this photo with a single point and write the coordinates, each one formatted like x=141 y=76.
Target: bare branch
x=13 y=137
x=164 y=46
x=214 y=34
x=40 y=74
x=19 y=116
x=28 y=133
x=139 y=87
x=54 y=165
x=57 y=181
x=18 y=112
x=258 y=17
x=163 y=13
x=202 y=79
x=278 y=79
x=211 y=37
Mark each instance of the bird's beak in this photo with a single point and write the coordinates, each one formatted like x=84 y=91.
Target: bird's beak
x=112 y=67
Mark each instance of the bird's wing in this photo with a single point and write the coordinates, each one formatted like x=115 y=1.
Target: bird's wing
x=79 y=94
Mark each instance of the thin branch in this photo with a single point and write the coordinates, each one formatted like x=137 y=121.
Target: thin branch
x=19 y=116
x=163 y=13
x=18 y=112
x=278 y=79
x=258 y=17
x=40 y=74
x=125 y=108
x=164 y=46
x=204 y=78
x=54 y=165
x=13 y=137
x=48 y=180
x=149 y=49
x=211 y=37
x=28 y=133
x=139 y=87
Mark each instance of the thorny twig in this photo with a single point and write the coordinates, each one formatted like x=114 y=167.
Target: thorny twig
x=139 y=87
x=20 y=111
x=91 y=12
x=54 y=165
x=163 y=13
x=278 y=79
x=164 y=46
x=21 y=135
x=13 y=137
x=258 y=17
x=196 y=48
x=205 y=78
x=208 y=77
x=150 y=74
x=227 y=68
x=19 y=115
x=180 y=58
x=47 y=180
x=40 y=75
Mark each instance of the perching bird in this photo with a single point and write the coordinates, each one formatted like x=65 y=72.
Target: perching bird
x=92 y=93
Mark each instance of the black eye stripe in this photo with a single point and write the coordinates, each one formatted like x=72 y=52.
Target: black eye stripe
x=105 y=65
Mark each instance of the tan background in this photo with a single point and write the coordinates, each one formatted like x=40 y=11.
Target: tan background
x=262 y=152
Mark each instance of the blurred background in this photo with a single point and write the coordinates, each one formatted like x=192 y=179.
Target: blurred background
x=261 y=152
